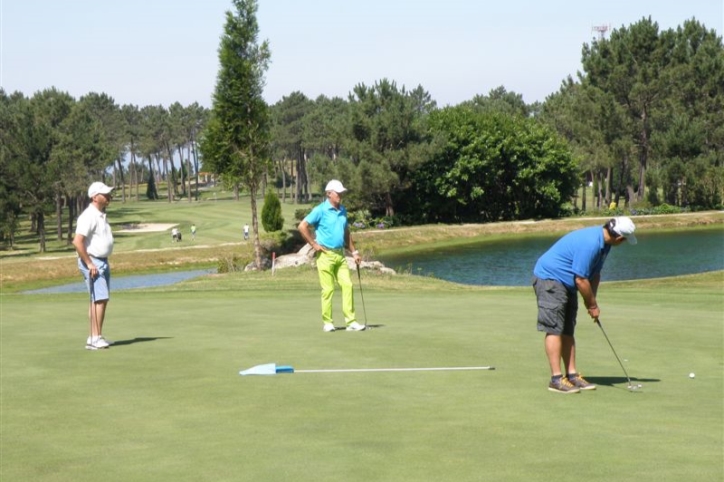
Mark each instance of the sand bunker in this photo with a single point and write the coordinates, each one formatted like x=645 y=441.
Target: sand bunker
x=145 y=228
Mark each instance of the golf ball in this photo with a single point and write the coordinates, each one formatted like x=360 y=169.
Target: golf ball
x=692 y=375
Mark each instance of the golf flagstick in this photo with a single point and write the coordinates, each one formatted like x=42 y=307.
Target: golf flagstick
x=273 y=369
x=369 y=370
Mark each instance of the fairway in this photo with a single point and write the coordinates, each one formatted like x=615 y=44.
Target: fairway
x=167 y=403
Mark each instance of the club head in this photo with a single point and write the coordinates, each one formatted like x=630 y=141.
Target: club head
x=634 y=387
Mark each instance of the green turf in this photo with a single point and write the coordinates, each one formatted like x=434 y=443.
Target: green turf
x=167 y=403
x=218 y=221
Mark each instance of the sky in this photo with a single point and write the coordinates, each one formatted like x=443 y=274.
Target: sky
x=151 y=52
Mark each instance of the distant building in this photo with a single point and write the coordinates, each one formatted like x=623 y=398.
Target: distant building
x=207 y=178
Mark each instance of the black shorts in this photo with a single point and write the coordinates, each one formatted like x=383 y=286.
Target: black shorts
x=557 y=307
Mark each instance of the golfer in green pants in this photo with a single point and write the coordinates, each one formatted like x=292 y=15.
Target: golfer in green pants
x=331 y=237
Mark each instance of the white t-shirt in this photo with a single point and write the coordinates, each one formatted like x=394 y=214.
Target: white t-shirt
x=98 y=236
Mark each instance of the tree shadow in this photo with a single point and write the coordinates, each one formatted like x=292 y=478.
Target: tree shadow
x=140 y=340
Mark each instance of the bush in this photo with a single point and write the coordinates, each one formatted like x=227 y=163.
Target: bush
x=300 y=214
x=383 y=222
x=230 y=264
x=661 y=209
x=271 y=213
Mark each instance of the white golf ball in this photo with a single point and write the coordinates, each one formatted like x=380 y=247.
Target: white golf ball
x=692 y=375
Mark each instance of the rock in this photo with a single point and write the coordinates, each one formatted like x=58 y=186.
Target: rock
x=265 y=264
x=306 y=256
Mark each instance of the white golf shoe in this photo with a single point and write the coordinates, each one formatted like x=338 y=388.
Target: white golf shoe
x=354 y=326
x=328 y=327
x=96 y=343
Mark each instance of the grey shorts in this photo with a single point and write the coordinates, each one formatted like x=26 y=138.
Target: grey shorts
x=557 y=307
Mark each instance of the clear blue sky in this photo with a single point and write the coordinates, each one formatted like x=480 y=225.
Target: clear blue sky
x=147 y=52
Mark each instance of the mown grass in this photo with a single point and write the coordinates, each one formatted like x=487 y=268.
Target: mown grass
x=167 y=404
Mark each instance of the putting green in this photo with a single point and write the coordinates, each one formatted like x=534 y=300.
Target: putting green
x=167 y=404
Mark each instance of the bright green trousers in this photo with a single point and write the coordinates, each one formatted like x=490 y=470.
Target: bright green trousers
x=332 y=267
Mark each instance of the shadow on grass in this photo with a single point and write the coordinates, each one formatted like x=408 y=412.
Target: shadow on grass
x=368 y=327
x=371 y=326
x=139 y=340
x=614 y=381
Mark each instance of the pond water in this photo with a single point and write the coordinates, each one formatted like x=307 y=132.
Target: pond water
x=510 y=262
x=119 y=283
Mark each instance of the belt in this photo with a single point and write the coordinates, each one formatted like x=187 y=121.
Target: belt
x=338 y=251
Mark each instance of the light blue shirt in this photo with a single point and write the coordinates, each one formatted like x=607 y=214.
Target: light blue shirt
x=579 y=253
x=329 y=224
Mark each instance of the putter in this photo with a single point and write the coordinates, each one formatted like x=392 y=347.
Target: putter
x=92 y=307
x=631 y=386
x=364 y=310
x=93 y=315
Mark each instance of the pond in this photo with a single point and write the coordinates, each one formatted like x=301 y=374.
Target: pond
x=510 y=262
x=119 y=283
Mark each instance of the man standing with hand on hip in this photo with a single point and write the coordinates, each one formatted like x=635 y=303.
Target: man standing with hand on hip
x=94 y=244
x=331 y=237
x=571 y=266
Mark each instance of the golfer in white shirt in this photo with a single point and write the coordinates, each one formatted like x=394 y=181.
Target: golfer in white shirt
x=94 y=244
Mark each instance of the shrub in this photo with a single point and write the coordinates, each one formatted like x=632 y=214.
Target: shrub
x=271 y=213
x=230 y=264
x=383 y=222
x=300 y=214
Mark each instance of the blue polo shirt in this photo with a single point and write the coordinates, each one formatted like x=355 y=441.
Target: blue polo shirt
x=579 y=253
x=329 y=224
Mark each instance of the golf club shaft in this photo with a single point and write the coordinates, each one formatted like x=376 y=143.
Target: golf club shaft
x=598 y=322
x=92 y=306
x=359 y=279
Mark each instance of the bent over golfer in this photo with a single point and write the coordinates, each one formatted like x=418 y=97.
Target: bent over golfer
x=93 y=242
x=331 y=237
x=571 y=266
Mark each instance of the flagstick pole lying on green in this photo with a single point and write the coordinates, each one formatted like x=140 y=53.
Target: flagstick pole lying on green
x=267 y=369
x=273 y=369
x=353 y=370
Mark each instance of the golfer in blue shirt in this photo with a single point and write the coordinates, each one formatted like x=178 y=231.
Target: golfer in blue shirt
x=571 y=266
x=331 y=237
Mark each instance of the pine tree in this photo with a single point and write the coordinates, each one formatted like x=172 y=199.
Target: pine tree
x=271 y=213
x=235 y=142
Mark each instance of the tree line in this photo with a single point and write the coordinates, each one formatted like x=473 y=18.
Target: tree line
x=642 y=124
x=53 y=146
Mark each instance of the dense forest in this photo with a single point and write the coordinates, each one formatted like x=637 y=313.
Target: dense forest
x=642 y=125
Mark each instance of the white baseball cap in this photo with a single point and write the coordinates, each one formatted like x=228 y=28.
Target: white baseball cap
x=336 y=186
x=98 y=188
x=625 y=227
